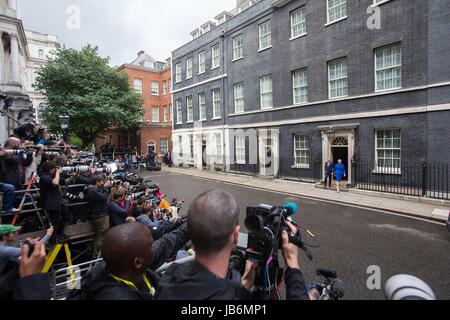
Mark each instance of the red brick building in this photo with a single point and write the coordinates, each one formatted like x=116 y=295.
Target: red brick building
x=151 y=79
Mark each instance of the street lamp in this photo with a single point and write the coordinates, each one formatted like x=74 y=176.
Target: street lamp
x=64 y=123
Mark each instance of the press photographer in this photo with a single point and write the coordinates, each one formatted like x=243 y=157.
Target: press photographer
x=213 y=223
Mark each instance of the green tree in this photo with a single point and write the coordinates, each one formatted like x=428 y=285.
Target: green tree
x=94 y=95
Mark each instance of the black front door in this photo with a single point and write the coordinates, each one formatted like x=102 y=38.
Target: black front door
x=204 y=154
x=341 y=153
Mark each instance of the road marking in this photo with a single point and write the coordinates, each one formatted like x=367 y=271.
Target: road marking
x=323 y=200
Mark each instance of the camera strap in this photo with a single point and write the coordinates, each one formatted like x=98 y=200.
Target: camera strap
x=132 y=285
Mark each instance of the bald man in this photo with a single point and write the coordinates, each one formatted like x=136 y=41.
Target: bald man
x=130 y=255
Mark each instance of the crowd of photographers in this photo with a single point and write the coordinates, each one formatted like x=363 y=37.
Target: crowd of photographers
x=132 y=236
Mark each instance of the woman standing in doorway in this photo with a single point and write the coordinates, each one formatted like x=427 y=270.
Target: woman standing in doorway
x=339 y=173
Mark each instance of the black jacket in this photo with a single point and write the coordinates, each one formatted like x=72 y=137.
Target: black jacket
x=12 y=169
x=194 y=282
x=35 y=287
x=98 y=202
x=118 y=213
x=99 y=285
x=51 y=196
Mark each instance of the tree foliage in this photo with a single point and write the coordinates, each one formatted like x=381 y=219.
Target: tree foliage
x=94 y=95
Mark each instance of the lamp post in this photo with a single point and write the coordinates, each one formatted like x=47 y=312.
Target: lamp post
x=64 y=123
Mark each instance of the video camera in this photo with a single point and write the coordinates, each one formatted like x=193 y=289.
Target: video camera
x=265 y=224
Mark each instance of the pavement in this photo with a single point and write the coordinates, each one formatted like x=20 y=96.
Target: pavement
x=351 y=238
x=429 y=209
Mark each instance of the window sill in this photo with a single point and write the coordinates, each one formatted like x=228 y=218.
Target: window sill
x=336 y=21
x=188 y=78
x=241 y=162
x=189 y=122
x=379 y=3
x=239 y=112
x=179 y=123
x=305 y=167
x=336 y=98
x=264 y=49
x=217 y=118
x=387 y=90
x=387 y=171
x=299 y=36
x=199 y=74
x=300 y=103
x=237 y=59
x=266 y=108
x=215 y=68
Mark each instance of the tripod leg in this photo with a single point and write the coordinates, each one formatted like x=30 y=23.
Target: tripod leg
x=51 y=258
x=69 y=261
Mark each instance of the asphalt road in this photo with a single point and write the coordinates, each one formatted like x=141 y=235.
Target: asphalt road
x=352 y=239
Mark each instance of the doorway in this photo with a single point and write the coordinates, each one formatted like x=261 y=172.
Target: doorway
x=204 y=164
x=151 y=148
x=339 y=151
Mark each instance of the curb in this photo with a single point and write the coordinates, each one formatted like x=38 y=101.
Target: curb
x=401 y=213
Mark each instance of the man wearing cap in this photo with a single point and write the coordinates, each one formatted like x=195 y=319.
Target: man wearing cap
x=9 y=255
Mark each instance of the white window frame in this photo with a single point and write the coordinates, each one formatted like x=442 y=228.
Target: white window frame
x=164 y=87
x=330 y=63
x=202 y=106
x=294 y=88
x=332 y=8
x=215 y=56
x=166 y=145
x=240 y=150
x=189 y=109
x=153 y=114
x=202 y=62
x=218 y=148
x=387 y=170
x=217 y=104
x=239 y=97
x=238 y=48
x=263 y=36
x=138 y=89
x=305 y=139
x=302 y=23
x=191 y=147
x=178 y=73
x=263 y=93
x=180 y=147
x=379 y=2
x=154 y=89
x=189 y=68
x=398 y=66
x=166 y=113
x=179 y=108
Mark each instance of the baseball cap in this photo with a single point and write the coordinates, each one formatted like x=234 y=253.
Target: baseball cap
x=7 y=228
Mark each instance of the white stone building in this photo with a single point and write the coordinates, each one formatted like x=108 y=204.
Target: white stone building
x=20 y=57
x=40 y=47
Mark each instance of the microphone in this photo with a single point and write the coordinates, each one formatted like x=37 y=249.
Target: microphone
x=291 y=209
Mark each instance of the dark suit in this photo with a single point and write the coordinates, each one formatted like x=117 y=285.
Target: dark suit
x=329 y=166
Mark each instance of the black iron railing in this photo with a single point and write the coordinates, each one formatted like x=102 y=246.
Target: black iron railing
x=425 y=179
x=309 y=173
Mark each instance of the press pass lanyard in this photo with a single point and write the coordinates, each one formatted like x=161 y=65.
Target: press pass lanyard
x=131 y=284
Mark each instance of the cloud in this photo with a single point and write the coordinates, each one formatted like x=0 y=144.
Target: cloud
x=121 y=28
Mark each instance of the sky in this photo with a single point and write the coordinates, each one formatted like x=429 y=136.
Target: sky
x=121 y=28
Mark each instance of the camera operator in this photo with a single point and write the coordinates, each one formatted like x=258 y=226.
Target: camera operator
x=213 y=223
x=130 y=256
x=97 y=196
x=119 y=207
x=12 y=169
x=51 y=197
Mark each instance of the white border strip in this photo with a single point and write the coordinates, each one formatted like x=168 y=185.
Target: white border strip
x=200 y=83
x=348 y=116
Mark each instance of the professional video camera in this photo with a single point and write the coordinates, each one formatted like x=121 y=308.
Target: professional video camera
x=265 y=224
x=331 y=288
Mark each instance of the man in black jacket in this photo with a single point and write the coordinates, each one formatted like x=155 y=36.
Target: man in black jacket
x=12 y=168
x=130 y=256
x=98 y=195
x=213 y=223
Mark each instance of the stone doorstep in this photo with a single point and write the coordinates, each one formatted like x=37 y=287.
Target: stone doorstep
x=430 y=216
